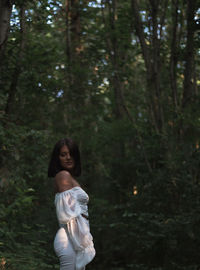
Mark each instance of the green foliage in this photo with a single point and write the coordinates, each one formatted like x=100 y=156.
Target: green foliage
x=24 y=242
x=143 y=181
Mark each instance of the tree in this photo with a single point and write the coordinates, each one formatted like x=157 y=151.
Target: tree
x=5 y=14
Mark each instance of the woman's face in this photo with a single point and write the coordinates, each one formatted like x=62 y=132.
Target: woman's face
x=66 y=160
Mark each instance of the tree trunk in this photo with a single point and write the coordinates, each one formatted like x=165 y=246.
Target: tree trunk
x=114 y=55
x=156 y=67
x=151 y=54
x=17 y=71
x=5 y=14
x=73 y=41
x=68 y=34
x=188 y=91
x=112 y=47
x=140 y=34
x=173 y=56
x=73 y=26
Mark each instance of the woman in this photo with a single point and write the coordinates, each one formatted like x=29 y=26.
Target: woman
x=73 y=242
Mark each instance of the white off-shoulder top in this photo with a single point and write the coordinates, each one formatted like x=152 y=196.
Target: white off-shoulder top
x=70 y=205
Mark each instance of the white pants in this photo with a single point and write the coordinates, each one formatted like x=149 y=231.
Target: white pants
x=64 y=250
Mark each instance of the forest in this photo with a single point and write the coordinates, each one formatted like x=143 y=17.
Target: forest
x=122 y=78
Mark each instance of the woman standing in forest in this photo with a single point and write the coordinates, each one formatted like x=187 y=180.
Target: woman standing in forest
x=73 y=242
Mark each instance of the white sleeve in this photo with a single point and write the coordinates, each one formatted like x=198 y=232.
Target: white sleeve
x=79 y=232
x=67 y=207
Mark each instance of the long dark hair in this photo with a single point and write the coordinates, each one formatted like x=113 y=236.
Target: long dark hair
x=54 y=164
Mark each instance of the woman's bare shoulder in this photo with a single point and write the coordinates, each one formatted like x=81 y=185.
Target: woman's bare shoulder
x=63 y=174
x=63 y=181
